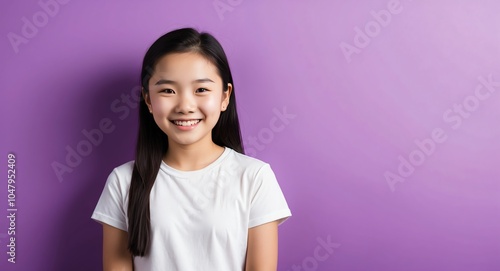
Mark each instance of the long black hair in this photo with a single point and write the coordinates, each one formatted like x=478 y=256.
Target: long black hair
x=152 y=142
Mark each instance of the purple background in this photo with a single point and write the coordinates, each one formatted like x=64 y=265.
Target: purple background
x=355 y=117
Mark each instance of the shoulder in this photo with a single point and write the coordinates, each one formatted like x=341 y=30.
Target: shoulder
x=125 y=168
x=248 y=166
x=121 y=175
x=246 y=162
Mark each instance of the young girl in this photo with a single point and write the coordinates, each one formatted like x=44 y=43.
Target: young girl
x=191 y=200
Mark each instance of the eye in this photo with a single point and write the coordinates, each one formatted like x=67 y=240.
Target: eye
x=168 y=90
x=201 y=90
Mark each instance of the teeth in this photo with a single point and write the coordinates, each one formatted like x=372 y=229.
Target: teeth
x=186 y=123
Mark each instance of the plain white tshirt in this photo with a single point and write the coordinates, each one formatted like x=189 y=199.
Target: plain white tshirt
x=199 y=219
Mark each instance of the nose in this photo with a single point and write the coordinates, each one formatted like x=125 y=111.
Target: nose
x=185 y=103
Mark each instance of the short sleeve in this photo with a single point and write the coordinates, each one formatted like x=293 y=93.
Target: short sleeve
x=268 y=202
x=110 y=208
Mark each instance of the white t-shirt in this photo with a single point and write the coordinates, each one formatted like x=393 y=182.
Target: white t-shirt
x=199 y=219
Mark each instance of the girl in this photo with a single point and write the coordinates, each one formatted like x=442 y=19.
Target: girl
x=191 y=200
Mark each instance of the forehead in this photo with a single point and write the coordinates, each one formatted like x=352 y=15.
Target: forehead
x=187 y=66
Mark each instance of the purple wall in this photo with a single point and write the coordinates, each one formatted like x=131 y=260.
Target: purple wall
x=381 y=121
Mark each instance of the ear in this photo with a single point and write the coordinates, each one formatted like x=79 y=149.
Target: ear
x=226 y=95
x=147 y=99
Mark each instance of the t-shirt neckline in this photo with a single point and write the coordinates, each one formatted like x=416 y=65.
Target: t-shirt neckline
x=183 y=173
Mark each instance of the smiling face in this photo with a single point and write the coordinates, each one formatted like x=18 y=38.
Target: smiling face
x=186 y=98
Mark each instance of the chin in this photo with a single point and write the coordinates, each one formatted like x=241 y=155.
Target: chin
x=184 y=140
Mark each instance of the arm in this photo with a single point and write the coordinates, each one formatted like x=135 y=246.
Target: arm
x=116 y=256
x=262 y=250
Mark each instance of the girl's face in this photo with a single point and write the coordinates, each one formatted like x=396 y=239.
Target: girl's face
x=186 y=97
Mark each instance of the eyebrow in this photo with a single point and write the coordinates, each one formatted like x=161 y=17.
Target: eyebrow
x=167 y=81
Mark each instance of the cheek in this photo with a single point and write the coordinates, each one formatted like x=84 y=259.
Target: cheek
x=211 y=105
x=162 y=106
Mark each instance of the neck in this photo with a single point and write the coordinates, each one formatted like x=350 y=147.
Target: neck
x=192 y=157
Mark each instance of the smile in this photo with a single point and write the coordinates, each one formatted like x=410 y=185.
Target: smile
x=185 y=122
